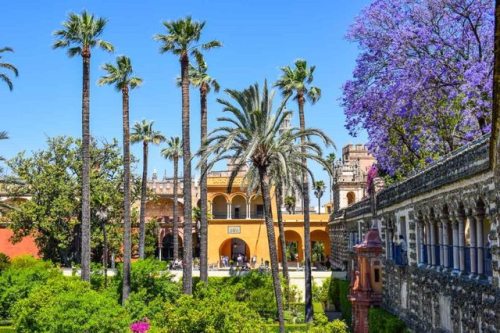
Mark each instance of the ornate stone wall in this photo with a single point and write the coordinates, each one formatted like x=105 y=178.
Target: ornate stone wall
x=448 y=278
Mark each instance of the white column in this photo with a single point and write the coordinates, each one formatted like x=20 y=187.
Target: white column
x=441 y=243
x=480 y=243
x=229 y=210
x=433 y=243
x=456 y=256
x=461 y=241
x=446 y=247
x=472 y=249
x=248 y=210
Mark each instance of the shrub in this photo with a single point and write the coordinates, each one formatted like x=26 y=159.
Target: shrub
x=381 y=321
x=4 y=261
x=337 y=293
x=23 y=274
x=67 y=304
x=216 y=313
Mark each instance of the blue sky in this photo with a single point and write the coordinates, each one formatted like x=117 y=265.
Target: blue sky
x=258 y=36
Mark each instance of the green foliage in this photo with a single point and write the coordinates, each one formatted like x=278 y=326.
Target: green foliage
x=381 y=321
x=52 y=177
x=337 y=294
x=24 y=274
x=67 y=304
x=217 y=313
x=4 y=261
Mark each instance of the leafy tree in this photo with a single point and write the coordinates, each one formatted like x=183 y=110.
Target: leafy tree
x=297 y=82
x=145 y=133
x=182 y=40
x=4 y=77
x=53 y=179
x=253 y=136
x=69 y=305
x=4 y=261
x=319 y=189
x=199 y=77
x=120 y=75
x=173 y=152
x=290 y=204
x=422 y=85
x=81 y=33
x=3 y=136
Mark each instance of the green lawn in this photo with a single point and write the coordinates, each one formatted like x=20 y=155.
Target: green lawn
x=6 y=329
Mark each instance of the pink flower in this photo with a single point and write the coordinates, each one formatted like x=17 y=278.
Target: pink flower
x=140 y=327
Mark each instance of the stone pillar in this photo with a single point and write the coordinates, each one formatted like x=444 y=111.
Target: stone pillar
x=248 y=210
x=456 y=256
x=229 y=210
x=472 y=249
x=480 y=242
x=433 y=243
x=420 y=242
x=428 y=239
x=461 y=241
x=445 y=223
x=441 y=243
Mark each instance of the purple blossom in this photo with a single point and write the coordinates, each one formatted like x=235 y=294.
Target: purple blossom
x=422 y=85
x=140 y=327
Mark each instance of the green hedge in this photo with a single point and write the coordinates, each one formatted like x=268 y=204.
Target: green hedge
x=381 y=321
x=337 y=294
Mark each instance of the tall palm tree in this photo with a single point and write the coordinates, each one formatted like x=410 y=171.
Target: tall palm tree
x=251 y=136
x=4 y=77
x=3 y=136
x=200 y=78
x=120 y=75
x=80 y=34
x=182 y=39
x=319 y=189
x=296 y=81
x=143 y=132
x=330 y=160
x=173 y=152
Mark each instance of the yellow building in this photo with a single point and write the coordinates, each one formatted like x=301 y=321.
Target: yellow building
x=236 y=223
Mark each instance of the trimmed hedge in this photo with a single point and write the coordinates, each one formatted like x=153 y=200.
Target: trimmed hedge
x=337 y=294
x=381 y=321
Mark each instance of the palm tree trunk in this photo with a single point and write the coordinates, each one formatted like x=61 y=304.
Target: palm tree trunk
x=271 y=239
x=307 y=222
x=127 y=238
x=319 y=205
x=144 y=188
x=281 y=228
x=175 y=231
x=203 y=192
x=86 y=167
x=187 y=269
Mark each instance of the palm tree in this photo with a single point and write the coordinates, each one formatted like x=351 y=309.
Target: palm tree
x=319 y=190
x=330 y=159
x=121 y=77
x=252 y=137
x=200 y=78
x=297 y=82
x=290 y=204
x=182 y=39
x=4 y=77
x=79 y=35
x=174 y=152
x=143 y=132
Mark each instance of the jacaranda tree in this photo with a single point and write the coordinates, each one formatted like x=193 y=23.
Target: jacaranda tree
x=422 y=85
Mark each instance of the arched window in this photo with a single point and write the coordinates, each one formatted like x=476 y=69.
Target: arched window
x=351 y=198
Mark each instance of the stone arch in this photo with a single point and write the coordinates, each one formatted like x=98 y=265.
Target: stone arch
x=167 y=246
x=219 y=206
x=294 y=244
x=351 y=198
x=232 y=247
x=238 y=206
x=320 y=237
